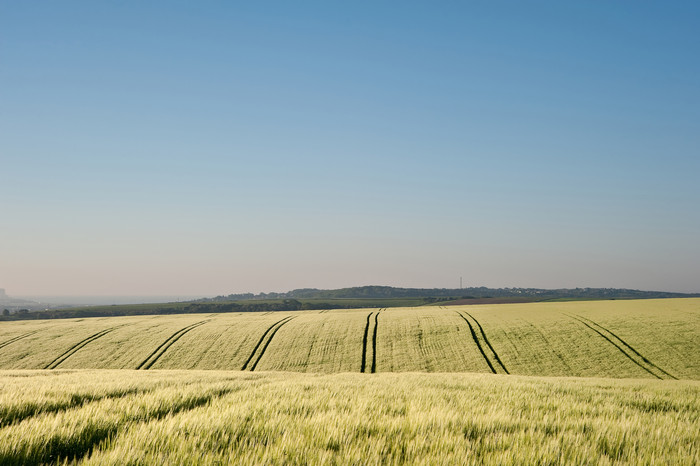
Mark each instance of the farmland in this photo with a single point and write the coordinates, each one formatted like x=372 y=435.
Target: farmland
x=213 y=417
x=563 y=382
x=657 y=339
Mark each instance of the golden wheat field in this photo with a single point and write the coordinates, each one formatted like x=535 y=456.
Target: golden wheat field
x=607 y=382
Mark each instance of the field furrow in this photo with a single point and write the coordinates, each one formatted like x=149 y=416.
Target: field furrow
x=494 y=354
x=158 y=352
x=73 y=349
x=226 y=343
x=478 y=343
x=364 y=343
x=540 y=339
x=425 y=340
x=269 y=339
x=313 y=342
x=666 y=332
x=262 y=338
x=374 y=342
x=613 y=337
x=619 y=348
x=12 y=340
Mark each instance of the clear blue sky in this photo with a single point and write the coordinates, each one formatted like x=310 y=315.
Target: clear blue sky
x=210 y=148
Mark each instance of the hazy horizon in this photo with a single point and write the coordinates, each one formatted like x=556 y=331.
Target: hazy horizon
x=139 y=299
x=205 y=149
x=104 y=299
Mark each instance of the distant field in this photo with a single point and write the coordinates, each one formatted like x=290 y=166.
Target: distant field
x=212 y=417
x=243 y=305
x=655 y=339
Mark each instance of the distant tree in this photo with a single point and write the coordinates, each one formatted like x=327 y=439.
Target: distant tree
x=6 y=312
x=291 y=305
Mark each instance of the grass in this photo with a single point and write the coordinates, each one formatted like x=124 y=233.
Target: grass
x=218 y=417
x=657 y=339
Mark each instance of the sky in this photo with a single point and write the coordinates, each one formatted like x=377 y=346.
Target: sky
x=207 y=148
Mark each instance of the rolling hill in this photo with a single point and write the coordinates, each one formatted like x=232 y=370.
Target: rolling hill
x=657 y=339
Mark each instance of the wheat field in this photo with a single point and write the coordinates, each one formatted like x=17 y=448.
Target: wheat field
x=657 y=339
x=608 y=382
x=220 y=417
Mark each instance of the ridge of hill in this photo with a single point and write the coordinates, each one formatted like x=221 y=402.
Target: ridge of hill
x=377 y=291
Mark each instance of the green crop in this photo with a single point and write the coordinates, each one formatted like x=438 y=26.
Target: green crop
x=223 y=417
x=657 y=339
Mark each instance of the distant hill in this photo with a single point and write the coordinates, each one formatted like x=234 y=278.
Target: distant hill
x=376 y=292
x=344 y=298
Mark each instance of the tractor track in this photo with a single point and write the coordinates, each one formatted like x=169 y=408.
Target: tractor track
x=262 y=338
x=617 y=346
x=374 y=342
x=645 y=362
x=488 y=343
x=75 y=348
x=158 y=352
x=478 y=343
x=364 y=344
x=272 y=335
x=19 y=337
x=365 y=341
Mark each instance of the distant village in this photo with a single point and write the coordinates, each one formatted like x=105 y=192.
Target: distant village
x=10 y=305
